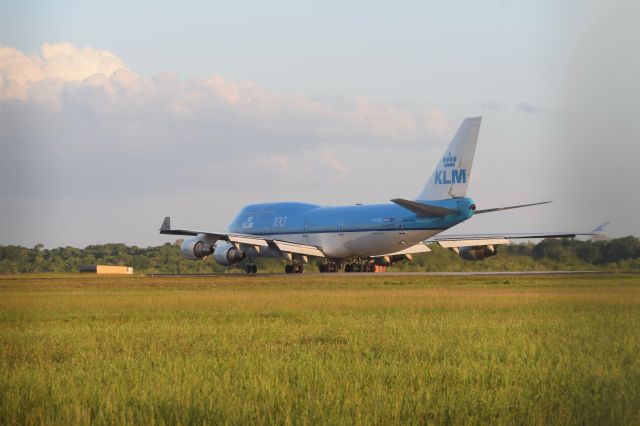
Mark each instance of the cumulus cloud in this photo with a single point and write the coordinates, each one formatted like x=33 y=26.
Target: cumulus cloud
x=63 y=76
x=63 y=61
x=23 y=77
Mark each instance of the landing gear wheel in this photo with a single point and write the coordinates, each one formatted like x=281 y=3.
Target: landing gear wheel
x=348 y=267
x=322 y=268
x=248 y=269
x=288 y=269
x=299 y=269
x=254 y=269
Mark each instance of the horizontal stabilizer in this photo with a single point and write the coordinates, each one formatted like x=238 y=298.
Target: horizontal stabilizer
x=497 y=209
x=422 y=209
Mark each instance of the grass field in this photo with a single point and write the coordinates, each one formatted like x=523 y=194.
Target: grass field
x=320 y=349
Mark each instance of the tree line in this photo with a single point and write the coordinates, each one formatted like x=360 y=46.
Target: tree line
x=555 y=254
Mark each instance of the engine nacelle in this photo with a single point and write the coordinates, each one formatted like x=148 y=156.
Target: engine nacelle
x=477 y=252
x=195 y=248
x=227 y=254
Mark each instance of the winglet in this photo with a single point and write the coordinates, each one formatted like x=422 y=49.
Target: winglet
x=600 y=228
x=166 y=224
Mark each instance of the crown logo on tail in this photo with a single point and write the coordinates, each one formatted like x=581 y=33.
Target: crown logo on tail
x=449 y=160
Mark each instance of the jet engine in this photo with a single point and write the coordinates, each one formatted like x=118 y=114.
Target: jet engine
x=477 y=252
x=227 y=254
x=196 y=249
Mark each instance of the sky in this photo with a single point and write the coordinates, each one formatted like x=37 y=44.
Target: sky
x=116 y=114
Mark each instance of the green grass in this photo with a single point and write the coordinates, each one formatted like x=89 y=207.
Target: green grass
x=320 y=349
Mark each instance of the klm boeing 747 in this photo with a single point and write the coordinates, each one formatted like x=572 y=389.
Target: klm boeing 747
x=358 y=237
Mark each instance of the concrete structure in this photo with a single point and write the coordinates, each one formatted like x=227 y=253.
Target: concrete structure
x=106 y=269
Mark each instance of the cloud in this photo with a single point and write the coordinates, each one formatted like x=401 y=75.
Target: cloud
x=332 y=162
x=303 y=165
x=493 y=105
x=524 y=107
x=437 y=123
x=25 y=77
x=65 y=62
x=77 y=124
x=528 y=108
x=63 y=76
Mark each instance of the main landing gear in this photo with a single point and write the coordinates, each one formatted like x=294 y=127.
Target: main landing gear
x=294 y=268
x=354 y=265
x=251 y=269
x=359 y=267
x=329 y=267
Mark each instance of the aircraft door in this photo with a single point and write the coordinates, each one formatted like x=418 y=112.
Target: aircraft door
x=400 y=226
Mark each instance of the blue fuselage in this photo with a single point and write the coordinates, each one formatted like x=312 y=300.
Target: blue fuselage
x=356 y=230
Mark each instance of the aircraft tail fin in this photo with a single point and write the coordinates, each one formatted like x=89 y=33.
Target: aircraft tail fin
x=453 y=171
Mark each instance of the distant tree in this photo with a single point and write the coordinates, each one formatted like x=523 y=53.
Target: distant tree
x=548 y=254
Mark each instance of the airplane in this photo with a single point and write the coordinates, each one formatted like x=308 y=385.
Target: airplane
x=358 y=237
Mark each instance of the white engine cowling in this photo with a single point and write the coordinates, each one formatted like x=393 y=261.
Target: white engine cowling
x=477 y=252
x=196 y=249
x=227 y=254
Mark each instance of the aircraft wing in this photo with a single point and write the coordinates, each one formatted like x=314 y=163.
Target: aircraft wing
x=252 y=240
x=455 y=241
x=408 y=251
